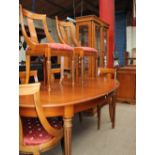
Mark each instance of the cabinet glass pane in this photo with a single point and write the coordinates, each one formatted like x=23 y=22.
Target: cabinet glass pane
x=97 y=42
x=105 y=47
x=83 y=35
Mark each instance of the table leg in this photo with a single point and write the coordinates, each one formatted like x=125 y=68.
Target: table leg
x=98 y=117
x=109 y=100
x=114 y=109
x=68 y=135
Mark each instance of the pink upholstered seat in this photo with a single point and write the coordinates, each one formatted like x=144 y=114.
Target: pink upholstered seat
x=58 y=46
x=87 y=49
x=34 y=133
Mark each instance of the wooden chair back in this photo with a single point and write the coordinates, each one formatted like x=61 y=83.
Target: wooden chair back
x=107 y=72
x=32 y=40
x=66 y=32
x=33 y=90
x=134 y=56
x=22 y=76
x=67 y=35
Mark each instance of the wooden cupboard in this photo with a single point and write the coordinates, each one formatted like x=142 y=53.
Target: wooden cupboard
x=93 y=32
x=127 y=89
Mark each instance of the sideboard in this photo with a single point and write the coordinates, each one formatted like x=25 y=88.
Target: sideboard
x=127 y=90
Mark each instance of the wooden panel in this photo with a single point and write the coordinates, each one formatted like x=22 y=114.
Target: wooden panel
x=127 y=90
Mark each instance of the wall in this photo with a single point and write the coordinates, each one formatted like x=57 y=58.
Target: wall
x=131 y=38
x=120 y=35
x=125 y=37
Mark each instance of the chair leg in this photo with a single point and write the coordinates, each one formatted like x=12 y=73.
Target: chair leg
x=80 y=116
x=48 y=73
x=77 y=69
x=45 y=70
x=96 y=66
x=93 y=66
x=73 y=70
x=27 y=69
x=82 y=69
x=62 y=69
x=98 y=117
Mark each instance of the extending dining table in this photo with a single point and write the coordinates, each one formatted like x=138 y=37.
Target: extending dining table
x=66 y=100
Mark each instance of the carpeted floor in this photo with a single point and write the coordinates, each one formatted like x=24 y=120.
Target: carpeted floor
x=87 y=140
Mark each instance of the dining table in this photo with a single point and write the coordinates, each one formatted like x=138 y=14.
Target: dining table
x=66 y=100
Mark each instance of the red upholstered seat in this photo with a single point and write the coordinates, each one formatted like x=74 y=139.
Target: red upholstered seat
x=34 y=133
x=87 y=49
x=58 y=46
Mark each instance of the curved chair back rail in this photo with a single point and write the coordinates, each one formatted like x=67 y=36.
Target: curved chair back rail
x=50 y=135
x=66 y=32
x=108 y=72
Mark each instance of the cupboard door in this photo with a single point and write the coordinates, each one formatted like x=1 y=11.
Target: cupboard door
x=127 y=89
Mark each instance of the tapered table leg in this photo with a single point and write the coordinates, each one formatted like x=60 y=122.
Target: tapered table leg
x=68 y=135
x=80 y=117
x=114 y=108
x=98 y=117
x=109 y=100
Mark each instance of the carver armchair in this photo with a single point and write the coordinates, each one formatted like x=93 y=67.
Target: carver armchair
x=38 y=133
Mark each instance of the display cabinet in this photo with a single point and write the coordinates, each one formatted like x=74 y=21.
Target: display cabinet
x=93 y=32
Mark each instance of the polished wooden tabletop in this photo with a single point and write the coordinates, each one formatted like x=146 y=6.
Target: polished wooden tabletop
x=66 y=94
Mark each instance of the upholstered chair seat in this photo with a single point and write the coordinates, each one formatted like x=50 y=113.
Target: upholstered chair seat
x=87 y=49
x=58 y=46
x=34 y=133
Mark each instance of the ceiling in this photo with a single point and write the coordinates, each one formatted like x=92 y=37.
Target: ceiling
x=72 y=8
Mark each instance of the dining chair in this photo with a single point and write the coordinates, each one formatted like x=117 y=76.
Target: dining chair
x=47 y=50
x=134 y=56
x=39 y=133
x=67 y=34
x=22 y=76
x=108 y=73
